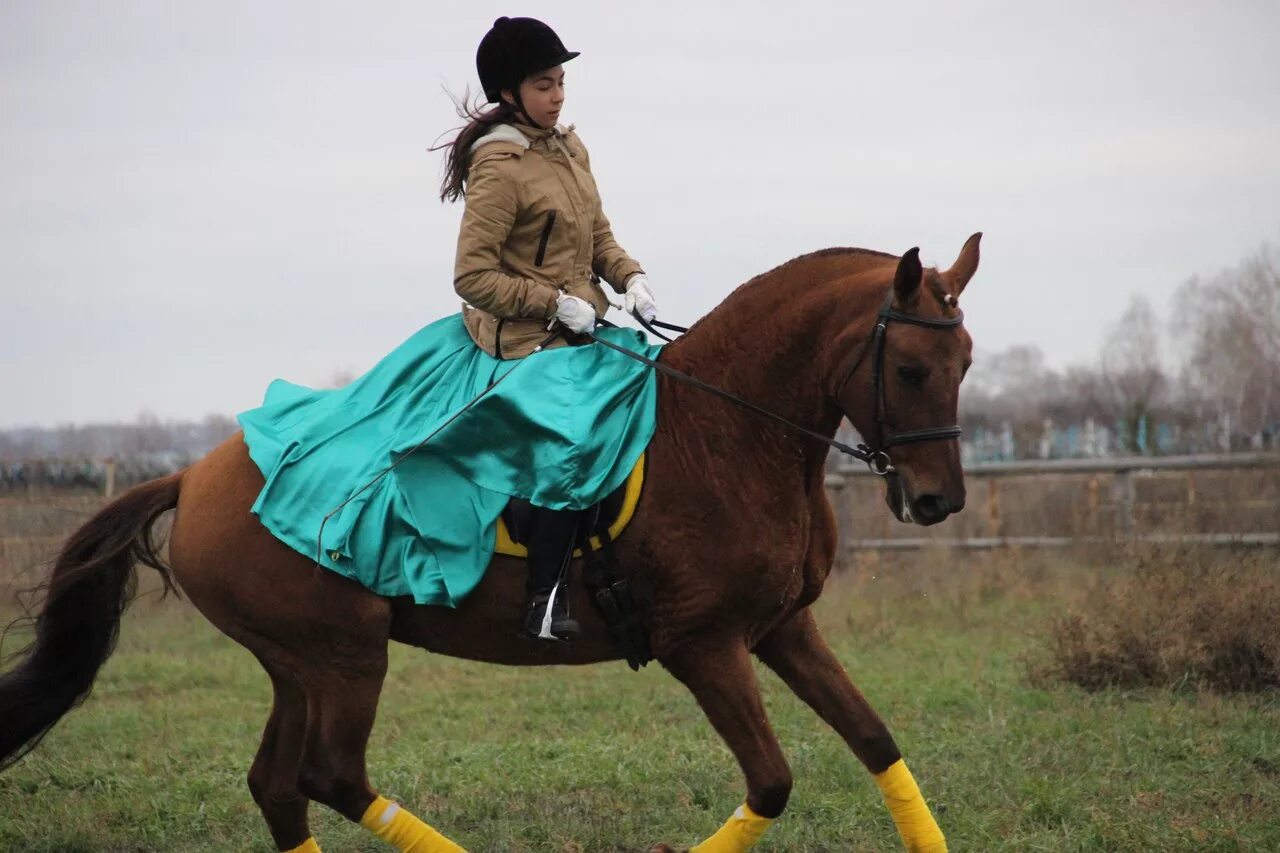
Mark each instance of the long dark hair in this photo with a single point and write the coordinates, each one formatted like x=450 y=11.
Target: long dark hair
x=479 y=120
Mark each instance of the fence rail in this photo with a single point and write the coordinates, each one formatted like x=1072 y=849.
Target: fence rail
x=1212 y=499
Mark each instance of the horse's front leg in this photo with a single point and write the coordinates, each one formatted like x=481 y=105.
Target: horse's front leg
x=720 y=676
x=797 y=652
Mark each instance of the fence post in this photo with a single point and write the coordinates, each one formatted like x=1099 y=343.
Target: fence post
x=109 y=489
x=1094 y=527
x=993 y=508
x=1124 y=493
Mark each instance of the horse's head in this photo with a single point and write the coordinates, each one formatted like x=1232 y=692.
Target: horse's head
x=902 y=389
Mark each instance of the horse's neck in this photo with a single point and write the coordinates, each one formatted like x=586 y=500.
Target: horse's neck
x=769 y=343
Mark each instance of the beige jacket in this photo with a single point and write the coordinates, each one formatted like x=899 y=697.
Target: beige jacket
x=533 y=226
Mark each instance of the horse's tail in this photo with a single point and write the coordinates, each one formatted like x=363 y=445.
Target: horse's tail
x=93 y=581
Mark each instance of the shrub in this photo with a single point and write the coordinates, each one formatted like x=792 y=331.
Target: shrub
x=1173 y=617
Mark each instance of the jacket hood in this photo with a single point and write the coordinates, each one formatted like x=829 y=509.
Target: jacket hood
x=501 y=133
x=516 y=135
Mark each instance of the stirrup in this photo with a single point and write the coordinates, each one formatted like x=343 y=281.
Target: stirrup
x=547 y=618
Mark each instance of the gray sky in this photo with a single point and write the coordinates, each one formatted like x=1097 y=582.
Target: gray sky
x=199 y=197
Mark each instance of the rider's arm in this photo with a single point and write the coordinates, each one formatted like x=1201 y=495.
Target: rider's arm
x=492 y=202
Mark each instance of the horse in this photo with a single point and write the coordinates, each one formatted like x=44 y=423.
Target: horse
x=731 y=543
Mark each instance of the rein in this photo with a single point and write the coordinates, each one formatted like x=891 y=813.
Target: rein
x=862 y=452
x=649 y=327
x=875 y=456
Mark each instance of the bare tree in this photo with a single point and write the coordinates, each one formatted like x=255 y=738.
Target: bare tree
x=1230 y=325
x=1133 y=379
x=1008 y=385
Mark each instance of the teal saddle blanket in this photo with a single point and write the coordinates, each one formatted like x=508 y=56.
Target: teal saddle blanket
x=562 y=432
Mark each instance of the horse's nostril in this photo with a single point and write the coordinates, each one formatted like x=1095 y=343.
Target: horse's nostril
x=933 y=506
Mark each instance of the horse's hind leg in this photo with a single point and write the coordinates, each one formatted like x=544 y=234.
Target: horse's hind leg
x=721 y=679
x=342 y=695
x=797 y=652
x=273 y=778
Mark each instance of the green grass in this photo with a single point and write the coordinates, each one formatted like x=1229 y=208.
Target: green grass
x=601 y=759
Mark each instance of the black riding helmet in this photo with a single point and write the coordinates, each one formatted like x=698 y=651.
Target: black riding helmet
x=512 y=50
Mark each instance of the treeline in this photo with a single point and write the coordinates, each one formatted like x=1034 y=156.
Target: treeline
x=1208 y=379
x=71 y=457
x=148 y=436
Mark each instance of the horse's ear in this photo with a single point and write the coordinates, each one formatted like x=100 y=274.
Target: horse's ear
x=906 y=281
x=967 y=264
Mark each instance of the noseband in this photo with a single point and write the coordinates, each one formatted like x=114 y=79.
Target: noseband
x=879 y=461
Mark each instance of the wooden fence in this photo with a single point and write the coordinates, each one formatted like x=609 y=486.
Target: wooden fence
x=1213 y=499
x=1226 y=499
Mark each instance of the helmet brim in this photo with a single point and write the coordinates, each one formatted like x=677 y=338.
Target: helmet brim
x=560 y=60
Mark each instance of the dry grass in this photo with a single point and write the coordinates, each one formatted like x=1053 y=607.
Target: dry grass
x=1164 y=616
x=1172 y=617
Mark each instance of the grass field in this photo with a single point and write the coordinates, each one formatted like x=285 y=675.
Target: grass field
x=601 y=759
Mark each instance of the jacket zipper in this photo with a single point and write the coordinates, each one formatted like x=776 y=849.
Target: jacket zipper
x=497 y=339
x=546 y=235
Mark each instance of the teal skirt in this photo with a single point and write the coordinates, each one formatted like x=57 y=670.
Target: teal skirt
x=563 y=431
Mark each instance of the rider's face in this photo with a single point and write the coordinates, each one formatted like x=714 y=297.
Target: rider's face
x=542 y=95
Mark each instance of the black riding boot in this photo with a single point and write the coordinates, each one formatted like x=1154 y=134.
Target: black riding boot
x=551 y=544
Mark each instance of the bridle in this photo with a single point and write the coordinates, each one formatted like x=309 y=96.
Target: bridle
x=875 y=455
x=880 y=462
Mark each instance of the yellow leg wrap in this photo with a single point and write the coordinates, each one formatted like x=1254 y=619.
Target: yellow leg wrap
x=403 y=831
x=739 y=833
x=308 y=846
x=919 y=831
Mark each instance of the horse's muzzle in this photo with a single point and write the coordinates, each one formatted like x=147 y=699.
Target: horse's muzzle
x=930 y=509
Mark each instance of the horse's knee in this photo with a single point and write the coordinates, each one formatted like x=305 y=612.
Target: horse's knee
x=260 y=789
x=769 y=800
x=257 y=787
x=346 y=793
x=316 y=783
x=267 y=796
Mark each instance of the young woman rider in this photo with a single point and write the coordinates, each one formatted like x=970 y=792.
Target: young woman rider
x=534 y=244
x=398 y=479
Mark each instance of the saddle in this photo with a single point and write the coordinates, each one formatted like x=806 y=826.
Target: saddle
x=610 y=593
x=615 y=511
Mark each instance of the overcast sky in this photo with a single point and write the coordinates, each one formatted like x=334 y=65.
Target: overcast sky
x=197 y=198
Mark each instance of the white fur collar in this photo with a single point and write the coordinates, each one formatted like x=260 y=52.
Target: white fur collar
x=508 y=133
x=501 y=133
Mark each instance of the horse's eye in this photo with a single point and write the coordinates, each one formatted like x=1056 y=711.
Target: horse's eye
x=913 y=376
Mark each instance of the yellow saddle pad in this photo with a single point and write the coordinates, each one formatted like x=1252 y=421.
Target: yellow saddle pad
x=630 y=497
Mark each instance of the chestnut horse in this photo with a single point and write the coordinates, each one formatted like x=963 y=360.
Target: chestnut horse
x=730 y=545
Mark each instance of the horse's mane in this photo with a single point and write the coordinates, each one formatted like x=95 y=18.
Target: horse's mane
x=813 y=256
x=753 y=283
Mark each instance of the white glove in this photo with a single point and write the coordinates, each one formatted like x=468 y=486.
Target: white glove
x=639 y=298
x=577 y=315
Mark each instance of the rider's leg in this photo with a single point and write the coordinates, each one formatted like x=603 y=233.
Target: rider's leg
x=550 y=547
